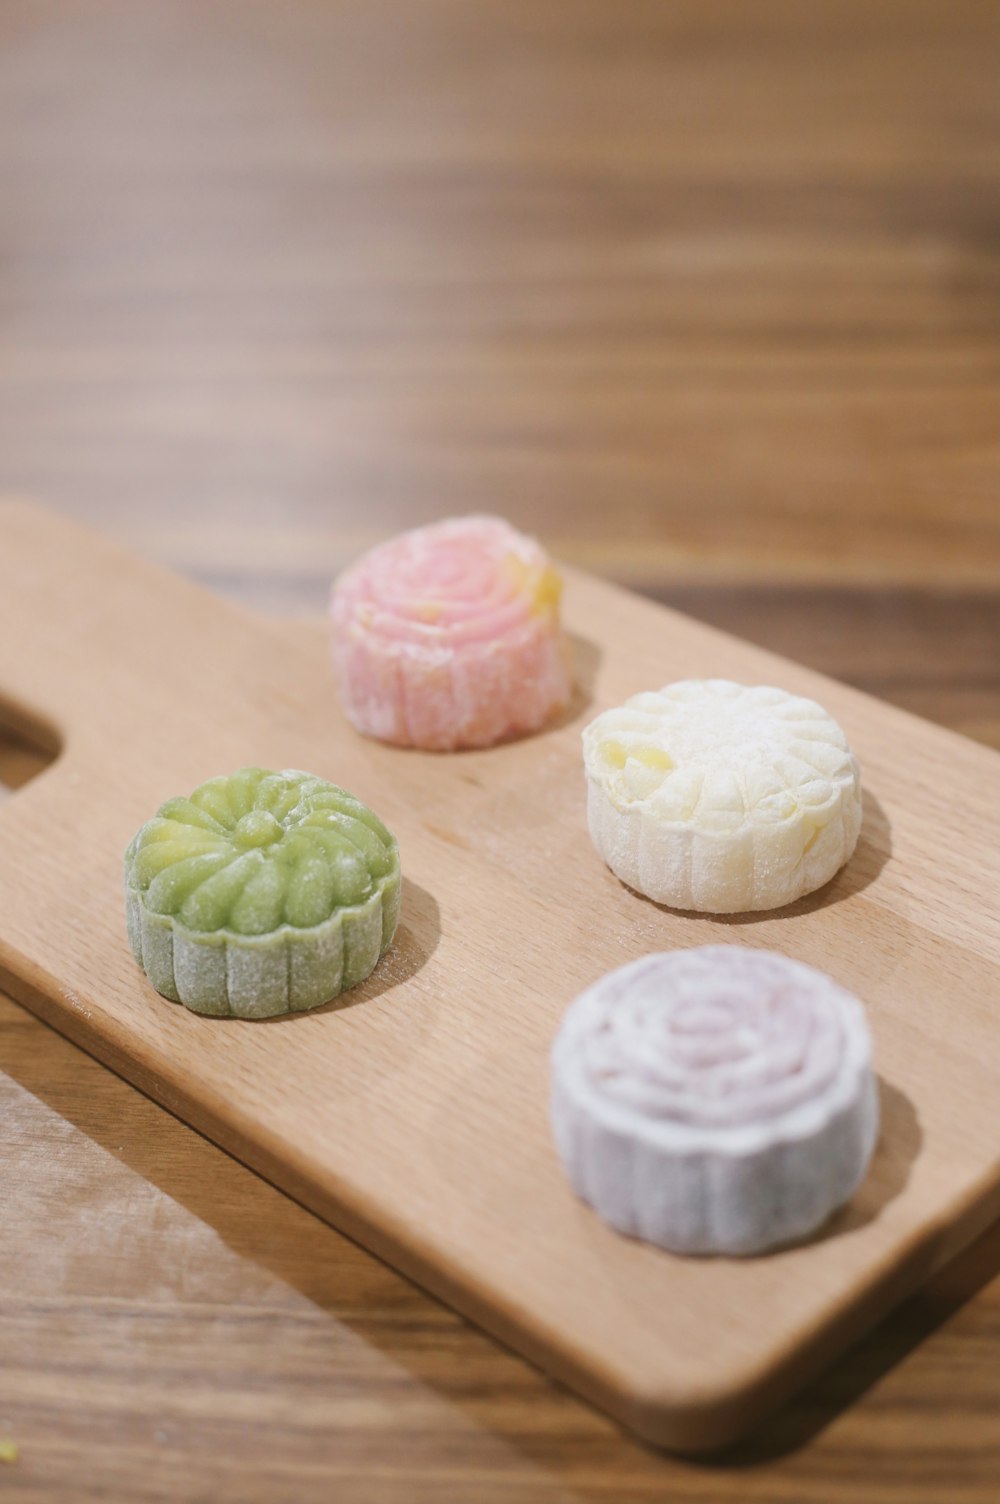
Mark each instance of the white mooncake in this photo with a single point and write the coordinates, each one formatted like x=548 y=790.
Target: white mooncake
x=715 y=1100
x=719 y=797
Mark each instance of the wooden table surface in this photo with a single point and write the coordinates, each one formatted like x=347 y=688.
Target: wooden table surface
x=704 y=295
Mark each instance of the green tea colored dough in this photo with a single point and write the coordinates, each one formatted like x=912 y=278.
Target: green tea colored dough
x=263 y=893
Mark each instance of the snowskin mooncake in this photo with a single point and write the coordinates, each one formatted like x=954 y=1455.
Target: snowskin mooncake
x=449 y=637
x=715 y=1100
x=263 y=893
x=721 y=797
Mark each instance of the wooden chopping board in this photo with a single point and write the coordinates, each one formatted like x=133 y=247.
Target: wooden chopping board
x=413 y=1114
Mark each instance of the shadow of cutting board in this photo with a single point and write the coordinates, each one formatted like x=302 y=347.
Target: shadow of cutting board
x=413 y=1115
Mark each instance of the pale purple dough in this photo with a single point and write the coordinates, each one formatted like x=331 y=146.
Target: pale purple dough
x=715 y=1100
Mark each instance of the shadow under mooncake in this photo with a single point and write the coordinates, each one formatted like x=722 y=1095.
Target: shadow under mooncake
x=261 y=894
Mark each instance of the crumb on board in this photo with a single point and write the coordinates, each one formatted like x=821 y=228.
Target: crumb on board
x=9 y=1450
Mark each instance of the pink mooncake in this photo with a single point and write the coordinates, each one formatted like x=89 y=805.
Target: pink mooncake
x=449 y=637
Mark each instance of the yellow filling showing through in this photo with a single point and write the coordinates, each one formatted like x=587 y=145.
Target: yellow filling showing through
x=650 y=757
x=428 y=611
x=543 y=587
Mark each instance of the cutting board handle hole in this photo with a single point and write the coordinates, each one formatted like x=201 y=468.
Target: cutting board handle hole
x=28 y=745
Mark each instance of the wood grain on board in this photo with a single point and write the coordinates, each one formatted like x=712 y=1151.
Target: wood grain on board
x=707 y=296
x=414 y=1114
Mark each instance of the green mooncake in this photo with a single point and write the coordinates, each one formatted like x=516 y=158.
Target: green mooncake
x=263 y=893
